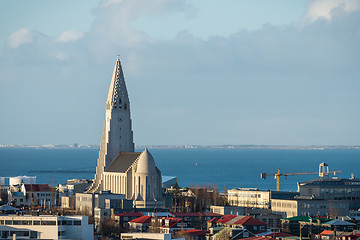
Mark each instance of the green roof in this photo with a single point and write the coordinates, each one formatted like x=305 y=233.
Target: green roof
x=306 y=219
x=297 y=218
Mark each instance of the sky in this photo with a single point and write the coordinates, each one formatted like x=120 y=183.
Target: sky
x=199 y=72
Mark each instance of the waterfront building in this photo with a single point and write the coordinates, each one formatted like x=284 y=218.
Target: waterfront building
x=333 y=189
x=46 y=227
x=120 y=169
x=255 y=198
x=309 y=206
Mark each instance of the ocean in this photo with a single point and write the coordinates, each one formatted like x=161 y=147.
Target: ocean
x=226 y=168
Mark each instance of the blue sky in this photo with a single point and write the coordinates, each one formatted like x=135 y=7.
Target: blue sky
x=197 y=72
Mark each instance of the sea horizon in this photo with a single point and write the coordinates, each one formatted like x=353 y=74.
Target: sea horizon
x=224 y=167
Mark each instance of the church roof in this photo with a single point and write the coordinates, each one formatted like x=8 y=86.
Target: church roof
x=123 y=161
x=146 y=163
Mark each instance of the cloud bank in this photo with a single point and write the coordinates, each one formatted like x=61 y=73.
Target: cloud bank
x=294 y=84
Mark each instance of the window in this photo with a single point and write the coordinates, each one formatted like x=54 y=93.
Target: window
x=77 y=223
x=48 y=223
x=36 y=222
x=20 y=233
x=5 y=234
x=33 y=234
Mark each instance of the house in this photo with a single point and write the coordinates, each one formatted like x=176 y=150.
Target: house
x=167 y=225
x=253 y=225
x=33 y=195
x=190 y=219
x=329 y=235
x=6 y=209
x=292 y=225
x=229 y=233
x=195 y=234
x=140 y=224
x=124 y=218
x=150 y=236
x=339 y=225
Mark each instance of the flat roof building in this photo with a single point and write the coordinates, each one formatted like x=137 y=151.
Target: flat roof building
x=46 y=227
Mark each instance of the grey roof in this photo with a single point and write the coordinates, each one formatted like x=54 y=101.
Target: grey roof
x=333 y=182
x=123 y=161
x=338 y=222
x=7 y=208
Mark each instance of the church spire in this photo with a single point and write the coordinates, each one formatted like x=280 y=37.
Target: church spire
x=118 y=95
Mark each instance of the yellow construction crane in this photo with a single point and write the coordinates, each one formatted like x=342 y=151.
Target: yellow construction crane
x=323 y=173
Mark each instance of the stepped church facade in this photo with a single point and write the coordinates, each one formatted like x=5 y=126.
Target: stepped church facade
x=120 y=169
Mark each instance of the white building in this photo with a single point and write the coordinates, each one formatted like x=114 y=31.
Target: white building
x=120 y=169
x=46 y=227
x=32 y=195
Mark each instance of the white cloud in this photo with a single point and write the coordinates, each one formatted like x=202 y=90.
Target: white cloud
x=324 y=8
x=20 y=37
x=69 y=36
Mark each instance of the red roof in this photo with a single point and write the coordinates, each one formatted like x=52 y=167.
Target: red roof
x=249 y=221
x=173 y=221
x=278 y=234
x=195 y=232
x=260 y=238
x=226 y=218
x=327 y=232
x=186 y=214
x=211 y=214
x=213 y=220
x=130 y=214
x=142 y=219
x=354 y=235
x=38 y=188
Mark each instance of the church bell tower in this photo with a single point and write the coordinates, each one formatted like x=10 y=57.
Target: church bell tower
x=117 y=134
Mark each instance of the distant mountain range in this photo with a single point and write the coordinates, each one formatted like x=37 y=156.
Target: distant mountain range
x=299 y=147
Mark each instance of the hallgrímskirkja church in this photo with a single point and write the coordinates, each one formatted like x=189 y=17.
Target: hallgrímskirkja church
x=120 y=169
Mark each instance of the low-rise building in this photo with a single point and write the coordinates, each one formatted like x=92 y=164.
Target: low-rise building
x=104 y=204
x=140 y=224
x=150 y=236
x=309 y=206
x=46 y=227
x=122 y=219
x=333 y=189
x=251 y=224
x=33 y=195
x=255 y=198
x=224 y=210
